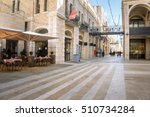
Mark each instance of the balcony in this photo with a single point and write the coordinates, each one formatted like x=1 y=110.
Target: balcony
x=139 y=31
x=74 y=22
x=84 y=27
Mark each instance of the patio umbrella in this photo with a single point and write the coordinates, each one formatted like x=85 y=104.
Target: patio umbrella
x=32 y=36
x=9 y=33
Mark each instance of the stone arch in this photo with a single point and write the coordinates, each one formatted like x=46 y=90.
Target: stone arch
x=146 y=5
x=138 y=6
x=41 y=30
x=139 y=10
x=68 y=34
x=81 y=37
x=138 y=15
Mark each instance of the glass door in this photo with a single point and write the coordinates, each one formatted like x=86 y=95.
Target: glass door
x=67 y=49
x=137 y=49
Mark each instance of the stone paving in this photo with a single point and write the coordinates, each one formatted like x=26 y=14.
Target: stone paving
x=108 y=78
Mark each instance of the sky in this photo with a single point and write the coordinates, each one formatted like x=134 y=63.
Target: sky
x=116 y=9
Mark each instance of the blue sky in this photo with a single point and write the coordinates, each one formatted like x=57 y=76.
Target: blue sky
x=116 y=9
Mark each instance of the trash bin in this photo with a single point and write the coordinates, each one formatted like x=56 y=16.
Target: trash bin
x=76 y=58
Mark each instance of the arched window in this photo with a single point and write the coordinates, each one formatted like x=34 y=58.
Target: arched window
x=136 y=22
x=42 y=31
x=68 y=33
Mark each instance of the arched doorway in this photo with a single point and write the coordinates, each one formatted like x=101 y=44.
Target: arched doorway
x=41 y=47
x=138 y=20
x=68 y=40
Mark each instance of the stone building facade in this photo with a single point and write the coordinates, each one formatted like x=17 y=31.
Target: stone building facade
x=136 y=24
x=68 y=20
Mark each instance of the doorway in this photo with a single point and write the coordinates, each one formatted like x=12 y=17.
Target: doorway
x=137 y=48
x=11 y=48
x=67 y=49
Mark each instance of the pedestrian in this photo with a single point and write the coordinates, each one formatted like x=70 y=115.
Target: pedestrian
x=103 y=54
x=95 y=52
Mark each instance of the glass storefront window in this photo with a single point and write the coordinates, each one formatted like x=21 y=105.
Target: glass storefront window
x=137 y=49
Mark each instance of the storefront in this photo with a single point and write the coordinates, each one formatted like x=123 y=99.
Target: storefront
x=41 y=48
x=137 y=48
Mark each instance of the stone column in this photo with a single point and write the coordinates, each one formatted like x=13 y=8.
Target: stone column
x=76 y=40
x=56 y=28
x=20 y=46
x=126 y=31
x=3 y=43
x=147 y=41
x=86 y=48
x=31 y=47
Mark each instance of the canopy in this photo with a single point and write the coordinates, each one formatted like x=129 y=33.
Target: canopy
x=7 y=32
x=12 y=34
x=32 y=36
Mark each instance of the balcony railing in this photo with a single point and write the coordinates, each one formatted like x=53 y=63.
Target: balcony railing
x=140 y=31
x=74 y=22
x=84 y=26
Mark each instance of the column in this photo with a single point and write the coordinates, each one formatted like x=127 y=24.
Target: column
x=20 y=46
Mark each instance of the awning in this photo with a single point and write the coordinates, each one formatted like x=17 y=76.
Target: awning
x=12 y=34
x=8 y=32
x=73 y=14
x=32 y=36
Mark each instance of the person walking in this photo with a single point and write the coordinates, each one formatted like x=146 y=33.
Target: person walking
x=103 y=54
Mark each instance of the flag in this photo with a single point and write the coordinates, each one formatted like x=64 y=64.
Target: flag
x=73 y=14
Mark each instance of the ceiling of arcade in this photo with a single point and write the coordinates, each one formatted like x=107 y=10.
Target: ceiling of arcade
x=140 y=11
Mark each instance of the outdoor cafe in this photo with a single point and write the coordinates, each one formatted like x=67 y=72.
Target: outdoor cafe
x=10 y=62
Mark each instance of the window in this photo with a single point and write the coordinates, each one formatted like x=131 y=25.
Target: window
x=70 y=8
x=82 y=18
x=89 y=22
x=13 y=6
x=37 y=6
x=18 y=5
x=136 y=22
x=66 y=7
x=45 y=5
x=79 y=14
x=92 y=24
x=26 y=26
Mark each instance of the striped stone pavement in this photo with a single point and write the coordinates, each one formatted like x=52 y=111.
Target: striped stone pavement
x=98 y=79
x=85 y=81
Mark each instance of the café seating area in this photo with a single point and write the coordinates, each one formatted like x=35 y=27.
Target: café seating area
x=18 y=63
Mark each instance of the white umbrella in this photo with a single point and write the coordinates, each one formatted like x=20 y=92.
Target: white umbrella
x=9 y=32
x=32 y=36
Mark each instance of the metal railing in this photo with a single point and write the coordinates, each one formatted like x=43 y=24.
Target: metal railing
x=139 y=31
x=106 y=30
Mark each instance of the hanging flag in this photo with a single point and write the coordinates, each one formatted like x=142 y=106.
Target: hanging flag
x=73 y=14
